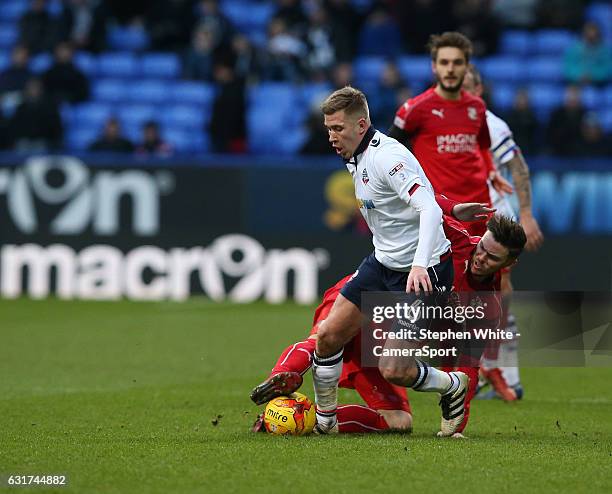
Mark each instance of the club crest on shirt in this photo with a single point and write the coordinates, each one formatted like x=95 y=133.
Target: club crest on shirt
x=472 y=113
x=396 y=169
x=364 y=177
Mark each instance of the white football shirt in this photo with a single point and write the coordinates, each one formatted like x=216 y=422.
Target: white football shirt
x=384 y=174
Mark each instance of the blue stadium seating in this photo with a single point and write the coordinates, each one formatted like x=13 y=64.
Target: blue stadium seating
x=552 y=41
x=79 y=138
x=607 y=96
x=249 y=17
x=136 y=115
x=127 y=38
x=41 y=62
x=192 y=93
x=601 y=13
x=502 y=68
x=8 y=35
x=184 y=117
x=117 y=64
x=90 y=114
x=12 y=10
x=545 y=98
x=163 y=65
x=146 y=91
x=5 y=59
x=109 y=90
x=592 y=98
x=503 y=96
x=368 y=69
x=86 y=62
x=605 y=118
x=415 y=70
x=515 y=42
x=313 y=94
x=384 y=40
x=545 y=69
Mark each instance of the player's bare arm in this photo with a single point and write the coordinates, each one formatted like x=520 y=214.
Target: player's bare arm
x=522 y=183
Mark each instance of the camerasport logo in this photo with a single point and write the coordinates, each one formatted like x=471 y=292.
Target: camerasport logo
x=59 y=195
x=233 y=267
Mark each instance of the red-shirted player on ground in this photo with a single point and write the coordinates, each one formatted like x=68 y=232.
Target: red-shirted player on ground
x=446 y=129
x=477 y=264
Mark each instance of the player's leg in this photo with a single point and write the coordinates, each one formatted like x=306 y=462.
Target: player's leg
x=419 y=375
x=341 y=325
x=286 y=375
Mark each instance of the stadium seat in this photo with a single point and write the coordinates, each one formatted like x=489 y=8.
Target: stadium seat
x=127 y=38
x=41 y=62
x=592 y=98
x=180 y=139
x=605 y=118
x=545 y=69
x=314 y=93
x=79 y=138
x=248 y=17
x=162 y=65
x=184 y=117
x=277 y=94
x=552 y=41
x=416 y=71
x=192 y=93
x=146 y=91
x=8 y=35
x=91 y=114
x=86 y=62
x=601 y=13
x=502 y=68
x=136 y=115
x=5 y=59
x=368 y=69
x=12 y=10
x=117 y=64
x=608 y=96
x=503 y=96
x=515 y=42
x=384 y=40
x=545 y=97
x=109 y=90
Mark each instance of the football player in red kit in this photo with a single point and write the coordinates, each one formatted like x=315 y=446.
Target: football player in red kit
x=446 y=129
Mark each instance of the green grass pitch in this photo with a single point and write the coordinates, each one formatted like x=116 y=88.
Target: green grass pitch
x=121 y=397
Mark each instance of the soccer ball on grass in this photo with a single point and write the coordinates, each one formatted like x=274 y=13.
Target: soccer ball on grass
x=292 y=415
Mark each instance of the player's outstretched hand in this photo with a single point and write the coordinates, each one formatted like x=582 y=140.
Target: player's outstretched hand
x=500 y=184
x=417 y=278
x=472 y=211
x=535 y=238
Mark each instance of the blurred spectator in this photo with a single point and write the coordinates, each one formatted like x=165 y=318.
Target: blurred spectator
x=227 y=126
x=152 y=143
x=292 y=14
x=83 y=23
x=568 y=14
x=111 y=139
x=14 y=78
x=380 y=35
x=247 y=61
x=36 y=124
x=524 y=123
x=5 y=137
x=419 y=19
x=346 y=22
x=210 y=17
x=588 y=61
x=342 y=75
x=475 y=19
x=63 y=80
x=593 y=140
x=37 y=29
x=284 y=55
x=564 y=127
x=321 y=52
x=170 y=23
x=198 y=61
x=385 y=101
x=518 y=14
x=318 y=137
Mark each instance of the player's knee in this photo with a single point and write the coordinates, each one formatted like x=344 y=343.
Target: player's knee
x=398 y=375
x=329 y=339
x=398 y=420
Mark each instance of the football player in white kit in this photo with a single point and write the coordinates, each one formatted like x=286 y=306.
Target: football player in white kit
x=509 y=161
x=411 y=255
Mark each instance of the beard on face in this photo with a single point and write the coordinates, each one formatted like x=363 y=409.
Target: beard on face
x=451 y=88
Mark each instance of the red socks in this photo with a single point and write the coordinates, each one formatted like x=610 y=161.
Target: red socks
x=296 y=357
x=359 y=418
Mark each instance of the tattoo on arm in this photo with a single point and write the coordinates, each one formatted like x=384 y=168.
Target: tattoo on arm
x=522 y=184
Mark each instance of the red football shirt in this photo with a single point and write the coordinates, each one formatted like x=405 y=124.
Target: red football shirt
x=449 y=139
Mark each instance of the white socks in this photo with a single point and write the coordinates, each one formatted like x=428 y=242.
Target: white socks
x=432 y=380
x=325 y=375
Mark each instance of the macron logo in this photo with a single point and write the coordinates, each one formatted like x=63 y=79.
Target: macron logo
x=439 y=113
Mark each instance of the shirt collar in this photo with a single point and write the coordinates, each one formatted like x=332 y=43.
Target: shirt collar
x=363 y=144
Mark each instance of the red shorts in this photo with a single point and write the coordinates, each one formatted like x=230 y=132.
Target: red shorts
x=375 y=390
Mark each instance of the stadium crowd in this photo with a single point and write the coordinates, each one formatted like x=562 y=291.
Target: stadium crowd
x=257 y=66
